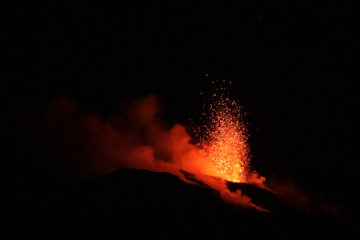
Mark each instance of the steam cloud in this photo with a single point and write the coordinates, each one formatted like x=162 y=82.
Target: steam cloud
x=80 y=145
x=83 y=145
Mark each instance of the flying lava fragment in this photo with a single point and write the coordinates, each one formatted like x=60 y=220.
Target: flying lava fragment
x=224 y=137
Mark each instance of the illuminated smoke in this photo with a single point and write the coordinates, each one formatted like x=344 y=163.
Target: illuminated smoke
x=82 y=145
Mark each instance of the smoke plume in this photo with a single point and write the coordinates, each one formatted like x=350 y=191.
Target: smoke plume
x=76 y=144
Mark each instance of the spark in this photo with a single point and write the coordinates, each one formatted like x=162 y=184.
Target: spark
x=224 y=138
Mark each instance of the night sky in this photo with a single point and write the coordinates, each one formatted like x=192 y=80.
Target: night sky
x=290 y=62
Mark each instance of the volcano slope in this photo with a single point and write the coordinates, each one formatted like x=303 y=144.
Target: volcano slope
x=136 y=203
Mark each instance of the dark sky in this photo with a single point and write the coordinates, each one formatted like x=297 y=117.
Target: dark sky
x=290 y=63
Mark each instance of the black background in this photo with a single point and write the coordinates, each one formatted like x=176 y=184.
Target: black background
x=290 y=63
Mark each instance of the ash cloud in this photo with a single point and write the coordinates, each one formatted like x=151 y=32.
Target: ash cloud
x=82 y=145
x=77 y=144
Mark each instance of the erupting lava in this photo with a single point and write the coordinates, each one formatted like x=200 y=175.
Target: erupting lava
x=136 y=138
x=224 y=138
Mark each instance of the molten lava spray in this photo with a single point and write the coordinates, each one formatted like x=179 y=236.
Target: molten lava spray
x=224 y=137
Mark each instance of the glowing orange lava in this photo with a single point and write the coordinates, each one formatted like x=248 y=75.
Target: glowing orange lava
x=225 y=139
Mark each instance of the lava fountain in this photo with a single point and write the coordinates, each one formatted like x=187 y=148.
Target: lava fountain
x=224 y=138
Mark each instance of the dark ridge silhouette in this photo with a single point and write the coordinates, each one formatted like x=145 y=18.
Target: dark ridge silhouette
x=258 y=195
x=148 y=205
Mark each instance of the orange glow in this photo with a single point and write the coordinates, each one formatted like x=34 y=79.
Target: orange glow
x=224 y=139
x=138 y=139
